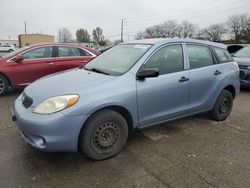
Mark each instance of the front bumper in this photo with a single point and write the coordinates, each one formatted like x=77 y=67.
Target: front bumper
x=55 y=132
x=245 y=77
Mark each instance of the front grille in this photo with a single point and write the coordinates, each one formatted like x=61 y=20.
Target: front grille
x=27 y=101
x=243 y=66
x=242 y=74
x=247 y=77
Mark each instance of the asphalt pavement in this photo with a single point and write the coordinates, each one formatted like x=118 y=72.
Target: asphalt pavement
x=190 y=152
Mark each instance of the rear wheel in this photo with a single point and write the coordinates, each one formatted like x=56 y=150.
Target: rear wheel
x=104 y=135
x=223 y=106
x=4 y=85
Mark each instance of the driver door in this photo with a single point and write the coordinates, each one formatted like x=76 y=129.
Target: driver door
x=37 y=63
x=166 y=96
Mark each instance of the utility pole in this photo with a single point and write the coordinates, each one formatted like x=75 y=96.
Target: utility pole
x=25 y=29
x=122 y=31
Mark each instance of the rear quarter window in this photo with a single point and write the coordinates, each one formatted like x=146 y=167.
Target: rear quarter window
x=222 y=55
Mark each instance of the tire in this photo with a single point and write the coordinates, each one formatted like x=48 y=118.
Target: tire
x=4 y=85
x=104 y=135
x=10 y=50
x=223 y=106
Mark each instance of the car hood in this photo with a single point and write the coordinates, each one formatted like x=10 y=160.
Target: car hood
x=242 y=61
x=77 y=81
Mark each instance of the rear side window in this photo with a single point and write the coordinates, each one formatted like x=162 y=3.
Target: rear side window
x=199 y=56
x=64 y=51
x=168 y=59
x=222 y=54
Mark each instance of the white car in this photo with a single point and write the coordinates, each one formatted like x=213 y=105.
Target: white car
x=7 y=48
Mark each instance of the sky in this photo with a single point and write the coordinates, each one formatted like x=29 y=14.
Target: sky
x=47 y=16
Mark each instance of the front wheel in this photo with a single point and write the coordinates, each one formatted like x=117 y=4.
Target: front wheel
x=223 y=106
x=4 y=85
x=104 y=135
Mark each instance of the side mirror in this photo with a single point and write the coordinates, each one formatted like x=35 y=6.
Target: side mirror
x=18 y=58
x=147 y=73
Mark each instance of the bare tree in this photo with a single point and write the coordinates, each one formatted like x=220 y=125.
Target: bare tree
x=169 y=29
x=214 y=32
x=65 y=35
x=237 y=26
x=187 y=30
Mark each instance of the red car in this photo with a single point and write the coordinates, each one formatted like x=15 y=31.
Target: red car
x=23 y=66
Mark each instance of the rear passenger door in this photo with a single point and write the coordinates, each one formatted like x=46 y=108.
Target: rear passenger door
x=71 y=57
x=205 y=77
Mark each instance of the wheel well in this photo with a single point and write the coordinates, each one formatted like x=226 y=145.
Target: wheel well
x=6 y=77
x=231 y=89
x=121 y=110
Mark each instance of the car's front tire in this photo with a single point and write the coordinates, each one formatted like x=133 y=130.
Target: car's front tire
x=4 y=85
x=223 y=106
x=104 y=135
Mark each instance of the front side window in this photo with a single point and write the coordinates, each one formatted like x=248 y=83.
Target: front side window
x=222 y=54
x=244 y=53
x=199 y=56
x=119 y=59
x=42 y=52
x=168 y=59
x=64 y=51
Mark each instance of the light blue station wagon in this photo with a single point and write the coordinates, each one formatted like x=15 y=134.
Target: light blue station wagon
x=133 y=85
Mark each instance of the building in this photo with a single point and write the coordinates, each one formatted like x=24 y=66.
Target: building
x=9 y=42
x=29 y=39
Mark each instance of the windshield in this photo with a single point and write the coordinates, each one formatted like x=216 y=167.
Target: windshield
x=118 y=59
x=6 y=56
x=244 y=52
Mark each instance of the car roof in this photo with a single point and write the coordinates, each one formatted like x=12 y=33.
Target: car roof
x=160 y=41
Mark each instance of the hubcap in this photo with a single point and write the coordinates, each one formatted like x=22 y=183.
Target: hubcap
x=106 y=136
x=224 y=105
x=2 y=86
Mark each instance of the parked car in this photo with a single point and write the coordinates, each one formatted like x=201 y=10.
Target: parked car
x=7 y=48
x=23 y=66
x=132 y=85
x=242 y=57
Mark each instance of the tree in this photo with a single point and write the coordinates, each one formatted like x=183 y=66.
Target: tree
x=82 y=35
x=214 y=32
x=169 y=28
x=98 y=37
x=65 y=35
x=187 y=30
x=237 y=25
x=246 y=32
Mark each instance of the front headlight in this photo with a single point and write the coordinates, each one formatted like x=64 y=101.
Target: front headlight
x=56 y=104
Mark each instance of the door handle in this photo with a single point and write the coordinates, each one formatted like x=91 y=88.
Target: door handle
x=217 y=72
x=85 y=61
x=49 y=64
x=183 y=79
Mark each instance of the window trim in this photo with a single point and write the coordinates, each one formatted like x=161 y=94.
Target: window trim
x=215 y=61
x=159 y=48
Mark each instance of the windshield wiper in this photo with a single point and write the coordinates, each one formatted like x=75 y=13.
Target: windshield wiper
x=96 y=70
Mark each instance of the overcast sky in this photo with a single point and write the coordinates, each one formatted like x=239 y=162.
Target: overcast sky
x=47 y=16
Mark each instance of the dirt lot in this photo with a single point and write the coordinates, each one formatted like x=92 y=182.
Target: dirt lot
x=191 y=152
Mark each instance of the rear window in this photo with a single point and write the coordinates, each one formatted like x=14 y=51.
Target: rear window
x=222 y=54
